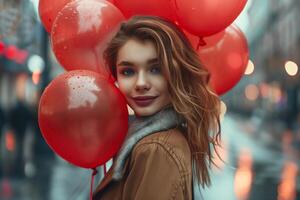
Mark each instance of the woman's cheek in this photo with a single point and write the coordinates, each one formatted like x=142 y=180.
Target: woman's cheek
x=124 y=87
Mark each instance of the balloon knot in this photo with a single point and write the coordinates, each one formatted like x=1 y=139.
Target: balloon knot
x=201 y=42
x=95 y=171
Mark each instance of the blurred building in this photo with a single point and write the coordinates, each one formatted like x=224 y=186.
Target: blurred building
x=274 y=39
x=22 y=63
x=268 y=99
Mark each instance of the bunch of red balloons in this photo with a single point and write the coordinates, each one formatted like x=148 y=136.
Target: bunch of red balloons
x=83 y=117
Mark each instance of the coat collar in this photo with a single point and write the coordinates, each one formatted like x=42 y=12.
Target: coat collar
x=141 y=127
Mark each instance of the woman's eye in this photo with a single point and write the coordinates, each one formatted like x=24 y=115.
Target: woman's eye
x=155 y=70
x=127 y=72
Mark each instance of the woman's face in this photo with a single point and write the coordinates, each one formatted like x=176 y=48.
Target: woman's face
x=140 y=77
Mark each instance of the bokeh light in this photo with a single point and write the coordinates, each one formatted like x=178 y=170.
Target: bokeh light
x=250 y=68
x=291 y=68
x=251 y=92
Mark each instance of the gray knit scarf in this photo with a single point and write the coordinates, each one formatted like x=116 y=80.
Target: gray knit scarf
x=140 y=127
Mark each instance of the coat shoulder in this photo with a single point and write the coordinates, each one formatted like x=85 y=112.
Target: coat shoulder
x=172 y=141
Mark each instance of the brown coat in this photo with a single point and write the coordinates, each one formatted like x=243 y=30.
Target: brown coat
x=159 y=168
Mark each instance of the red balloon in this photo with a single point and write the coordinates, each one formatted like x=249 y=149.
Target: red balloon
x=207 y=17
x=226 y=60
x=83 y=118
x=81 y=32
x=48 y=11
x=161 y=8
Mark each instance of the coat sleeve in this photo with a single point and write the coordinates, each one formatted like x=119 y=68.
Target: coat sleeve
x=154 y=174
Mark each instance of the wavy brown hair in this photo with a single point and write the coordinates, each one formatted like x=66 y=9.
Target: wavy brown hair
x=187 y=79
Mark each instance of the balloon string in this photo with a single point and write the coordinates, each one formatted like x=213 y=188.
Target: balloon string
x=92 y=182
x=104 y=169
x=201 y=42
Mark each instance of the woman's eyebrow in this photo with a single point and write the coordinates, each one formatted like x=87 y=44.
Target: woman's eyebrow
x=130 y=64
x=125 y=63
x=151 y=61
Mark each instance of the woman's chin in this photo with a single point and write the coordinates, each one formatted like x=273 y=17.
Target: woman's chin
x=143 y=113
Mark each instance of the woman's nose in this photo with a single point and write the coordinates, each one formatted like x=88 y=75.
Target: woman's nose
x=142 y=82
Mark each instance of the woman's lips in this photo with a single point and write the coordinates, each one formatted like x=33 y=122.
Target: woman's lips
x=144 y=101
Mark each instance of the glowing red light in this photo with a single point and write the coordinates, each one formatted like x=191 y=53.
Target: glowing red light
x=11 y=52
x=6 y=189
x=2 y=47
x=10 y=142
x=21 y=56
x=36 y=77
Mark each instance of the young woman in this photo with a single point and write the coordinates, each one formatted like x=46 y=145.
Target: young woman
x=177 y=115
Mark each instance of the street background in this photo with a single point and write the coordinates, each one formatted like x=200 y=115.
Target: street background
x=260 y=125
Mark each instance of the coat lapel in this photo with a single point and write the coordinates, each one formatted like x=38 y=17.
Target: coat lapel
x=106 y=180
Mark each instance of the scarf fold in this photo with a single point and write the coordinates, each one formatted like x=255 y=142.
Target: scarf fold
x=140 y=127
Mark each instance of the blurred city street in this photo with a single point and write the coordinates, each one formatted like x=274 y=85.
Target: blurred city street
x=259 y=156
